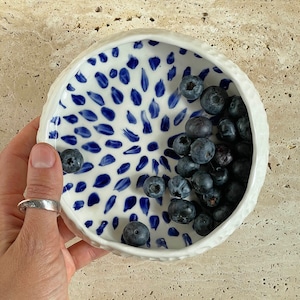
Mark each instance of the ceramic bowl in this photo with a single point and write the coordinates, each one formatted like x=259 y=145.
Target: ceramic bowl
x=118 y=103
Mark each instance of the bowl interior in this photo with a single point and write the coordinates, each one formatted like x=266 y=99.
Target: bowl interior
x=121 y=107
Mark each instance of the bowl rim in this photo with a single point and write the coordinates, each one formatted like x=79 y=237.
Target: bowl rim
x=258 y=122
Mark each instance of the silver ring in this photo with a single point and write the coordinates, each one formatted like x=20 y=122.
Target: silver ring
x=46 y=204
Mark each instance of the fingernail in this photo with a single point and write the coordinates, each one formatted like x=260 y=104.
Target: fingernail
x=42 y=156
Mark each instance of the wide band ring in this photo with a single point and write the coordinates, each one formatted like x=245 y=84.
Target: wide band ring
x=45 y=204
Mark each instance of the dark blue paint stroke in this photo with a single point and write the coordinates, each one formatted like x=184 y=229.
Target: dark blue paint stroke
x=92 y=147
x=82 y=131
x=115 y=52
x=122 y=184
x=154 y=109
x=53 y=135
x=123 y=168
x=92 y=61
x=153 y=43
x=80 y=77
x=159 y=200
x=62 y=105
x=197 y=55
x=140 y=181
x=136 y=97
x=70 y=87
x=110 y=203
x=196 y=113
x=154 y=222
x=105 y=129
x=187 y=71
x=172 y=73
x=138 y=45
x=97 y=98
x=146 y=124
x=173 y=99
x=165 y=123
x=133 y=217
x=133 y=150
x=101 y=228
x=187 y=239
x=160 y=88
x=113 y=73
x=71 y=119
x=170 y=58
x=115 y=144
x=224 y=83
x=142 y=163
x=129 y=203
x=117 y=95
x=67 y=187
x=132 y=63
x=88 y=223
x=152 y=146
x=56 y=120
x=70 y=139
x=164 y=162
x=115 y=222
x=78 y=99
x=204 y=73
x=144 y=81
x=171 y=153
x=80 y=187
x=145 y=205
x=172 y=231
x=155 y=166
x=132 y=137
x=154 y=62
x=102 y=180
x=103 y=57
x=108 y=113
x=78 y=204
x=88 y=115
x=124 y=76
x=87 y=166
x=107 y=160
x=182 y=51
x=161 y=242
x=131 y=118
x=180 y=116
x=166 y=217
x=217 y=70
x=93 y=199
x=101 y=79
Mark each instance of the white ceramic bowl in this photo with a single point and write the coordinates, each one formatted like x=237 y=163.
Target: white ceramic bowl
x=118 y=103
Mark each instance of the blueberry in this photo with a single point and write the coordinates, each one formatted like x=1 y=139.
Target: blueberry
x=241 y=169
x=202 y=182
x=71 y=160
x=227 y=130
x=203 y=224
x=136 y=234
x=243 y=128
x=154 y=186
x=179 y=187
x=181 y=211
x=244 y=149
x=212 y=198
x=198 y=127
x=219 y=175
x=223 y=155
x=222 y=212
x=213 y=100
x=181 y=144
x=186 y=167
x=202 y=150
x=237 y=107
x=234 y=192
x=191 y=87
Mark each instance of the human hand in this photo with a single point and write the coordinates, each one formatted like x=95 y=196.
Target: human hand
x=34 y=261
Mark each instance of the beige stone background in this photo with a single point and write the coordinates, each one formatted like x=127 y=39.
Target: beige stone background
x=38 y=39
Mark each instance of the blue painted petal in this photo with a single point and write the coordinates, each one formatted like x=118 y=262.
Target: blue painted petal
x=173 y=231
x=62 y=105
x=147 y=125
x=115 y=144
x=108 y=113
x=153 y=43
x=102 y=181
x=122 y=184
x=164 y=162
x=172 y=73
x=83 y=132
x=204 y=73
x=93 y=199
x=87 y=166
x=142 y=163
x=92 y=147
x=182 y=51
x=133 y=217
x=154 y=109
x=179 y=118
x=155 y=166
x=53 y=135
x=113 y=73
x=132 y=63
x=123 y=168
x=78 y=204
x=187 y=239
x=132 y=137
x=171 y=153
x=166 y=217
x=197 y=55
x=160 y=88
x=110 y=203
x=56 y=120
x=145 y=205
x=187 y=71
x=97 y=98
x=161 y=242
x=71 y=119
x=70 y=87
x=173 y=99
x=136 y=97
x=170 y=58
x=154 y=222
x=102 y=80
x=165 y=123
x=88 y=223
x=115 y=52
x=67 y=187
x=152 y=146
x=129 y=203
x=101 y=228
x=117 y=95
x=92 y=61
x=70 y=139
x=124 y=76
x=138 y=45
x=196 y=113
x=115 y=222
x=80 y=187
x=133 y=150
x=103 y=57
x=224 y=83
x=78 y=99
x=88 y=115
x=141 y=180
x=144 y=81
x=159 y=199
x=80 y=77
x=154 y=62
x=105 y=129
x=131 y=118
x=107 y=160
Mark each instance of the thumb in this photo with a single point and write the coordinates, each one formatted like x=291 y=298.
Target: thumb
x=44 y=181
